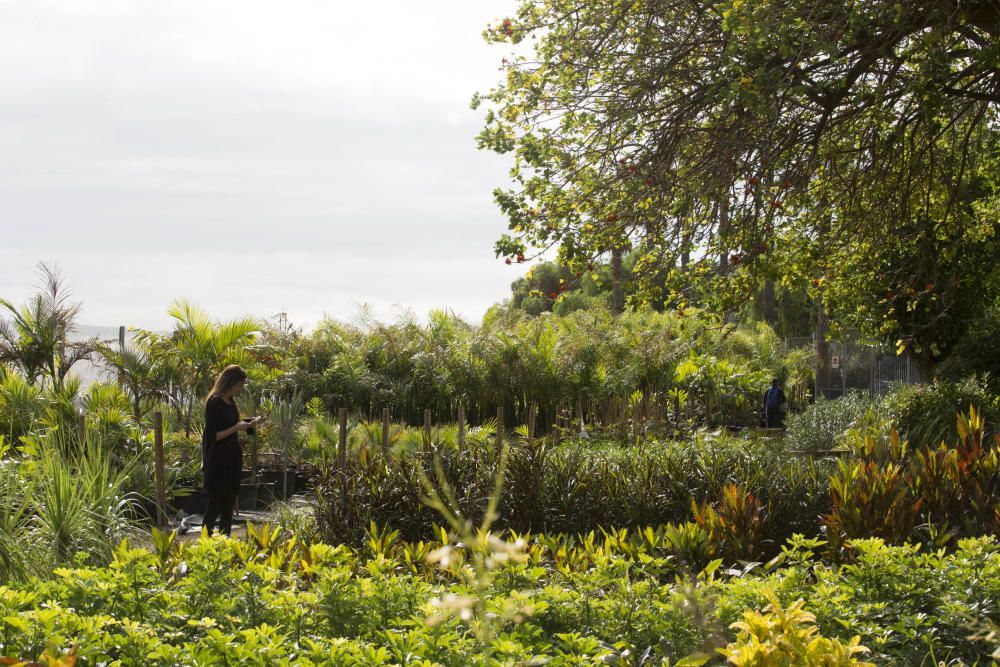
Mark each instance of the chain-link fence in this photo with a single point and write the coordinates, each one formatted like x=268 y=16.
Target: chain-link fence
x=854 y=366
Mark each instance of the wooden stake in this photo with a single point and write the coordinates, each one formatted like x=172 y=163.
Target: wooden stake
x=81 y=428
x=342 y=451
x=385 y=431
x=499 y=429
x=427 y=428
x=532 y=414
x=635 y=422
x=560 y=421
x=160 y=477
x=461 y=427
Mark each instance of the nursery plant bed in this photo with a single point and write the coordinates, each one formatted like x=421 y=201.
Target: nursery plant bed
x=820 y=452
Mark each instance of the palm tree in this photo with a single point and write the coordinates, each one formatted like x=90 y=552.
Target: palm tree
x=198 y=349
x=35 y=340
x=139 y=373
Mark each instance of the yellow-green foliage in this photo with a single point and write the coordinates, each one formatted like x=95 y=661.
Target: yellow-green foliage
x=788 y=638
x=274 y=600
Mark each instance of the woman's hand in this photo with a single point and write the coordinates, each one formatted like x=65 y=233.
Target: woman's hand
x=247 y=424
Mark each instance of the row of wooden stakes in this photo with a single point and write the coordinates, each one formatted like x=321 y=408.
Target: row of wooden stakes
x=160 y=464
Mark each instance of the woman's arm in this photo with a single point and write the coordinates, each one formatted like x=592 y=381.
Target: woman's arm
x=213 y=417
x=239 y=426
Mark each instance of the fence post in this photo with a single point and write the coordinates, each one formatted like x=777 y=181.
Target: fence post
x=81 y=427
x=121 y=350
x=385 y=431
x=560 y=420
x=461 y=427
x=635 y=421
x=160 y=477
x=499 y=429
x=532 y=414
x=427 y=429
x=342 y=450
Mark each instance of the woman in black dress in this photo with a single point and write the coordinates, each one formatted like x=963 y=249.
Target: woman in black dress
x=222 y=458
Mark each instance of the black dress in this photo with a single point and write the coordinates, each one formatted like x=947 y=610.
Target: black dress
x=223 y=458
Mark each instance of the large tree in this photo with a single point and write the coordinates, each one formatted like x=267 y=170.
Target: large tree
x=742 y=141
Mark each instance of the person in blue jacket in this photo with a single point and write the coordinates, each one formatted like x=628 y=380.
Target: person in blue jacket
x=221 y=455
x=773 y=398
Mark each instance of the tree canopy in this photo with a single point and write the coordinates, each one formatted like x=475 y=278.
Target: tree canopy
x=735 y=142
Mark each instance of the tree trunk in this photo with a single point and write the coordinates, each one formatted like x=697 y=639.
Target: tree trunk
x=723 y=233
x=823 y=377
x=770 y=305
x=617 y=293
x=187 y=418
x=685 y=251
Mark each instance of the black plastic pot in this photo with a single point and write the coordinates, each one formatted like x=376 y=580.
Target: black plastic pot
x=142 y=511
x=256 y=496
x=303 y=481
x=284 y=482
x=191 y=501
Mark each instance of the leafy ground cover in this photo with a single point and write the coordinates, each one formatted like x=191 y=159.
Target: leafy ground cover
x=620 y=598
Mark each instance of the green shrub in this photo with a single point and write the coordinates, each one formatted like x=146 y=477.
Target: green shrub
x=976 y=353
x=780 y=637
x=578 y=487
x=822 y=425
x=925 y=414
x=296 y=515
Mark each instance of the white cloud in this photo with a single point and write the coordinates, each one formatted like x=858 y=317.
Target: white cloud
x=301 y=155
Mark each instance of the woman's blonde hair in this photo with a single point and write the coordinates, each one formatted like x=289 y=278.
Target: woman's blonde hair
x=230 y=376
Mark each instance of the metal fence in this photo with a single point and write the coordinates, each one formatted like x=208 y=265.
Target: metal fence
x=855 y=366
x=89 y=372
x=890 y=370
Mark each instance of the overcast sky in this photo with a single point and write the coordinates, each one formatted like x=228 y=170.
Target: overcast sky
x=250 y=156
